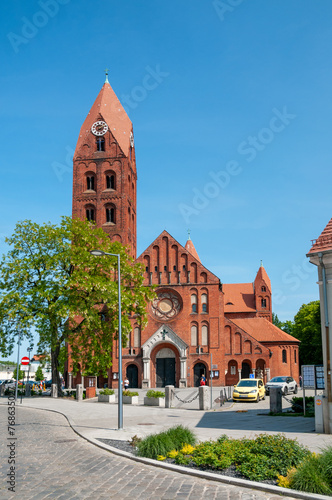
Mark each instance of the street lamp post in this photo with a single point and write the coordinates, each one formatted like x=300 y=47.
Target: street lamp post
x=100 y=253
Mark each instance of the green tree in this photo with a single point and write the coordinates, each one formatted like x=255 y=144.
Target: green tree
x=286 y=326
x=50 y=282
x=307 y=329
x=39 y=374
x=21 y=374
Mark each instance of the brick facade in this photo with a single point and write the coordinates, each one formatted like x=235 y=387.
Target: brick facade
x=195 y=318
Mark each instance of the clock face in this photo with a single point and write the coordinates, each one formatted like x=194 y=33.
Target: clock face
x=99 y=128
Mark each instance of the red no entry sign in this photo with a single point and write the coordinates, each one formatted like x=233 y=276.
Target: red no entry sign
x=24 y=361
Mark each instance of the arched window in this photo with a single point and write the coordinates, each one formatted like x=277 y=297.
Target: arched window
x=204 y=300
x=137 y=336
x=110 y=181
x=205 y=335
x=90 y=213
x=263 y=302
x=110 y=214
x=194 y=335
x=284 y=356
x=194 y=303
x=90 y=182
x=295 y=360
x=263 y=288
x=100 y=143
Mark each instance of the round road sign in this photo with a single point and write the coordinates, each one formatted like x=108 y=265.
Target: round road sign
x=24 y=361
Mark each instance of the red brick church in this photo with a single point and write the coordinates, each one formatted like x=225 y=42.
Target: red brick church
x=196 y=325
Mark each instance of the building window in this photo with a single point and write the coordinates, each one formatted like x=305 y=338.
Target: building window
x=90 y=182
x=137 y=336
x=233 y=370
x=295 y=360
x=100 y=143
x=110 y=215
x=110 y=181
x=194 y=303
x=90 y=214
x=194 y=335
x=284 y=356
x=263 y=288
x=205 y=336
x=263 y=302
x=204 y=303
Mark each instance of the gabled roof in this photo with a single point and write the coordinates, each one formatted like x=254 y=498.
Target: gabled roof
x=324 y=242
x=108 y=108
x=263 y=330
x=182 y=249
x=239 y=297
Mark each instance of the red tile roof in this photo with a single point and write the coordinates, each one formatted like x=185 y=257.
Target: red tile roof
x=191 y=249
x=109 y=107
x=324 y=242
x=239 y=297
x=262 y=275
x=263 y=330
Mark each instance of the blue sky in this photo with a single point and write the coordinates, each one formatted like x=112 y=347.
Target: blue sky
x=232 y=141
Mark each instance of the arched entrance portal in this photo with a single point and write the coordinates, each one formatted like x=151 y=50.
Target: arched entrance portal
x=246 y=370
x=132 y=375
x=199 y=370
x=165 y=367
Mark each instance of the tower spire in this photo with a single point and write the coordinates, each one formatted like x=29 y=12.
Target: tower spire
x=106 y=75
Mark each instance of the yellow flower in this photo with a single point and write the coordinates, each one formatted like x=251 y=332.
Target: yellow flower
x=160 y=457
x=286 y=481
x=172 y=454
x=187 y=449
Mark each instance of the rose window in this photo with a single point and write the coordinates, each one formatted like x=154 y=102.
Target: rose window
x=166 y=306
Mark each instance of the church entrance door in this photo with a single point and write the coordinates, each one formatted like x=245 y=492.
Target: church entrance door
x=199 y=370
x=132 y=375
x=246 y=370
x=165 y=372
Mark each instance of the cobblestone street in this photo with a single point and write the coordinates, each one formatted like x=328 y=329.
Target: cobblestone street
x=54 y=462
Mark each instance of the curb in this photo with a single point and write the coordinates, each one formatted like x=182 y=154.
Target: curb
x=287 y=492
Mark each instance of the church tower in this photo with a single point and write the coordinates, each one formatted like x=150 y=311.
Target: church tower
x=104 y=173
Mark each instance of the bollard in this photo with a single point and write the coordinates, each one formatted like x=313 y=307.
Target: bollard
x=204 y=399
x=54 y=391
x=2 y=390
x=79 y=392
x=275 y=400
x=169 y=396
x=28 y=390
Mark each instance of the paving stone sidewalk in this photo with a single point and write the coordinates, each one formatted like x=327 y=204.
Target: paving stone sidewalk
x=55 y=463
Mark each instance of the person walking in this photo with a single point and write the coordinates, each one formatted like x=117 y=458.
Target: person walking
x=126 y=384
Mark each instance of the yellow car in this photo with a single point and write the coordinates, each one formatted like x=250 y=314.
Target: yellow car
x=249 y=389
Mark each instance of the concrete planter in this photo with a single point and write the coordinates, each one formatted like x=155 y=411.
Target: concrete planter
x=130 y=400
x=154 y=402
x=103 y=398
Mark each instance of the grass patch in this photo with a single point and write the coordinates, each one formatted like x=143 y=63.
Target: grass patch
x=161 y=444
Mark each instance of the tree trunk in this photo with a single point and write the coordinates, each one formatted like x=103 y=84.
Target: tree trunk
x=55 y=367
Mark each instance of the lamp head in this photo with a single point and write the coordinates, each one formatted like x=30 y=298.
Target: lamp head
x=97 y=253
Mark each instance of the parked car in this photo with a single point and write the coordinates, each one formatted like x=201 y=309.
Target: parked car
x=287 y=384
x=249 y=389
x=9 y=384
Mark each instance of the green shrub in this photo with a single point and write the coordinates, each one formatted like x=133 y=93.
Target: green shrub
x=107 y=392
x=155 y=394
x=129 y=393
x=325 y=460
x=164 y=442
x=311 y=477
x=297 y=404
